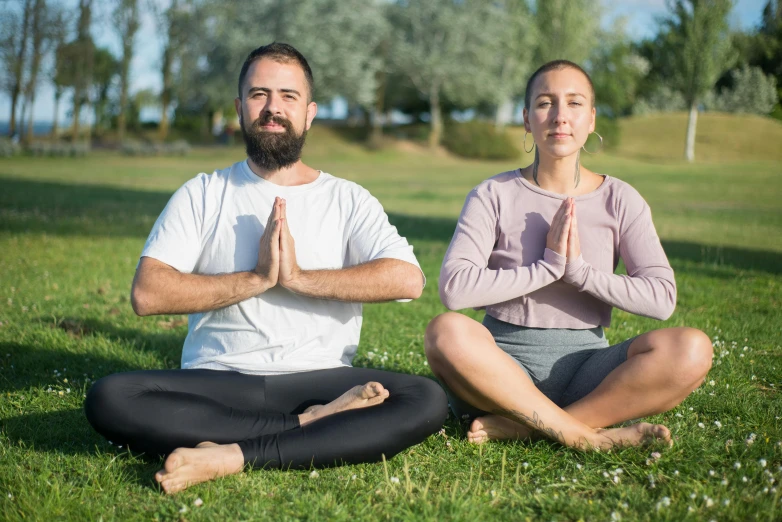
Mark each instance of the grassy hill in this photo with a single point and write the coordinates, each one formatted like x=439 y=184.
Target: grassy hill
x=720 y=137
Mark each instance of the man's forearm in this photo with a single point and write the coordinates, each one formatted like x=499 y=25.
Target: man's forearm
x=163 y=290
x=378 y=280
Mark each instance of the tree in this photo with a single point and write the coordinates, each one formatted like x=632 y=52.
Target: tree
x=567 y=29
x=40 y=32
x=512 y=59
x=126 y=19
x=81 y=56
x=702 y=52
x=443 y=47
x=105 y=70
x=617 y=71
x=14 y=52
x=59 y=34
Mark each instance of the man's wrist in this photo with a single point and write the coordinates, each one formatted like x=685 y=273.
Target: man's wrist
x=259 y=283
x=297 y=281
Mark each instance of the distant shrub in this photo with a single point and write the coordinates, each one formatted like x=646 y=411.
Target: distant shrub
x=663 y=99
x=609 y=129
x=752 y=92
x=8 y=148
x=135 y=148
x=57 y=149
x=479 y=140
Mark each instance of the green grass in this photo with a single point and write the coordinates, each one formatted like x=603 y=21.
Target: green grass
x=71 y=231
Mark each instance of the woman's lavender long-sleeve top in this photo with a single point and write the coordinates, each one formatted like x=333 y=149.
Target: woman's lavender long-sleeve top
x=498 y=258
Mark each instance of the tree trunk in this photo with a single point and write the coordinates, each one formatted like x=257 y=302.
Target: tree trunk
x=436 y=119
x=376 y=114
x=29 y=134
x=57 y=95
x=504 y=114
x=19 y=68
x=689 y=148
x=165 y=94
x=128 y=33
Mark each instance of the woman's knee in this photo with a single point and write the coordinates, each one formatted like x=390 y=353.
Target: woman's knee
x=688 y=353
x=442 y=335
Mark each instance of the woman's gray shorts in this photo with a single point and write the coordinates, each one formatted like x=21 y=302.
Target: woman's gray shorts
x=564 y=364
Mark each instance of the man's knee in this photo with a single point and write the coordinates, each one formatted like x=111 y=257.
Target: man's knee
x=428 y=405
x=104 y=401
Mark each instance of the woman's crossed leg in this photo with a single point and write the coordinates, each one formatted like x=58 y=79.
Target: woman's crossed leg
x=662 y=368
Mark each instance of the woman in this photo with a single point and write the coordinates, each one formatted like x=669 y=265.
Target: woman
x=537 y=248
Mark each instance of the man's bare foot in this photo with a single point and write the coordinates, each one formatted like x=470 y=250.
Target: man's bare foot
x=185 y=467
x=496 y=427
x=370 y=394
x=638 y=434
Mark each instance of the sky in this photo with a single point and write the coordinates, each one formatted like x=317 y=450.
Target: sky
x=639 y=16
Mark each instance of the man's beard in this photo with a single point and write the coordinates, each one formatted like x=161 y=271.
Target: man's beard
x=272 y=150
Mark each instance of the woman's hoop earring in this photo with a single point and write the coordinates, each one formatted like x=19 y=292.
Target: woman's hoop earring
x=533 y=143
x=598 y=150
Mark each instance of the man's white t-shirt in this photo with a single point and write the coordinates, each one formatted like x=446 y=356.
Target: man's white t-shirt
x=213 y=225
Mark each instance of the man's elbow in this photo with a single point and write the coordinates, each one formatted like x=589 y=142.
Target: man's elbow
x=415 y=285
x=141 y=302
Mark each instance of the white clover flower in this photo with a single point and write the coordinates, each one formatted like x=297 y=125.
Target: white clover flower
x=718 y=424
x=676 y=473
x=656 y=455
x=525 y=465
x=709 y=502
x=711 y=382
x=726 y=502
x=395 y=480
x=737 y=465
x=605 y=474
x=701 y=425
x=693 y=495
x=724 y=482
x=314 y=474
x=712 y=473
x=744 y=479
x=198 y=502
x=493 y=493
x=578 y=466
x=183 y=509
x=615 y=516
x=762 y=463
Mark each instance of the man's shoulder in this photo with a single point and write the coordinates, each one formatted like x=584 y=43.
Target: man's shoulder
x=343 y=187
x=204 y=182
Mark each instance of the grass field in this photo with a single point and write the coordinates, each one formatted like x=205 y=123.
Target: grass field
x=71 y=231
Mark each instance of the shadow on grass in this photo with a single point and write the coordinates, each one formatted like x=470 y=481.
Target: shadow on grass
x=35 y=363
x=92 y=210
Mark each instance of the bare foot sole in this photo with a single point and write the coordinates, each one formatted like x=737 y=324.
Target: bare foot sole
x=639 y=434
x=370 y=394
x=496 y=427
x=185 y=467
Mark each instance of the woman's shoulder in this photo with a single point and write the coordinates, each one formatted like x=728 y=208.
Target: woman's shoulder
x=498 y=184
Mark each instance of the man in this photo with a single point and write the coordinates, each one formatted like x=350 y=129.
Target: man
x=274 y=324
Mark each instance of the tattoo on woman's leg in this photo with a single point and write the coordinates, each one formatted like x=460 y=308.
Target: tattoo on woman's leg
x=534 y=422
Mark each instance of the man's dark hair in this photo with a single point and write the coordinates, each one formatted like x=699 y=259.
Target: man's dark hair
x=280 y=53
x=555 y=65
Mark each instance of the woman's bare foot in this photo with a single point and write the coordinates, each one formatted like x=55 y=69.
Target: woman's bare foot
x=496 y=427
x=639 y=434
x=370 y=394
x=185 y=467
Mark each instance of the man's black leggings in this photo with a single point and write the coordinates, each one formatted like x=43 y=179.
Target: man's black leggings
x=157 y=411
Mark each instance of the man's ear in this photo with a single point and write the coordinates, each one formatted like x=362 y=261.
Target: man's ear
x=238 y=105
x=312 y=110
